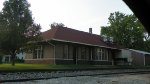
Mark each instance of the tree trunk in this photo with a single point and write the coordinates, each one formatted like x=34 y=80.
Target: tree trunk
x=13 y=58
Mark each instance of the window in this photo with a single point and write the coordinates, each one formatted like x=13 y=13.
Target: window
x=101 y=54
x=38 y=52
x=65 y=52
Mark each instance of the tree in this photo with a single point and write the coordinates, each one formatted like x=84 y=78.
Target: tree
x=125 y=30
x=16 y=26
x=59 y=25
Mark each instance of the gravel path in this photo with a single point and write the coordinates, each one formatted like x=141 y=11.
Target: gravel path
x=63 y=75
x=99 y=79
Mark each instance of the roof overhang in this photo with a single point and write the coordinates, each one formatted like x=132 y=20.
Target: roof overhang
x=84 y=44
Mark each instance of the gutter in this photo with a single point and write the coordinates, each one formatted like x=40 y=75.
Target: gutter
x=84 y=44
x=54 y=50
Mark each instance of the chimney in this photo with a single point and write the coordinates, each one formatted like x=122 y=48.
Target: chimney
x=90 y=30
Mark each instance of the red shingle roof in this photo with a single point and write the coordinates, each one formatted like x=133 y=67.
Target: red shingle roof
x=72 y=35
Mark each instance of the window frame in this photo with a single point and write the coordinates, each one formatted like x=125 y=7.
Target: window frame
x=38 y=52
x=101 y=54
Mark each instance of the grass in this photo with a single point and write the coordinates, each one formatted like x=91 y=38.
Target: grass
x=47 y=66
x=23 y=66
x=41 y=66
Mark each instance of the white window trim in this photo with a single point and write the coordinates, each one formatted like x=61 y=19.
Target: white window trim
x=101 y=51
x=36 y=51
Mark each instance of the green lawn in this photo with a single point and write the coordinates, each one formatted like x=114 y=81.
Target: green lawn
x=23 y=66
x=47 y=66
x=41 y=66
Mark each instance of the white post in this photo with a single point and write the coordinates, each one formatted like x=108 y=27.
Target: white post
x=54 y=50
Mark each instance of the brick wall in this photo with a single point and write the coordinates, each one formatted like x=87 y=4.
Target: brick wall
x=40 y=61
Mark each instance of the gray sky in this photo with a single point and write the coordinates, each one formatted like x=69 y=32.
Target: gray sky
x=76 y=14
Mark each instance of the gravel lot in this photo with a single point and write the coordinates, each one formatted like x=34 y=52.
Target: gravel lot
x=99 y=79
x=19 y=76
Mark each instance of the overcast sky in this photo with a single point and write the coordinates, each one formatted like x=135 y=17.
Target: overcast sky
x=76 y=14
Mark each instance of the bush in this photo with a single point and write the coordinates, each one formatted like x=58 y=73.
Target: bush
x=19 y=60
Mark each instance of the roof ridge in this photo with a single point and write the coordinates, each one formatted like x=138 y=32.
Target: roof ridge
x=74 y=30
x=87 y=33
x=82 y=31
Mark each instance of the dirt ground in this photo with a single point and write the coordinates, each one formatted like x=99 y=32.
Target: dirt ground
x=99 y=79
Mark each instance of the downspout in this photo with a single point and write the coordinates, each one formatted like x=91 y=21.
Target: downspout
x=54 y=50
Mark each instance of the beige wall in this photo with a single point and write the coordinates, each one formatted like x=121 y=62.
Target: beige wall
x=58 y=51
x=137 y=58
x=48 y=51
x=39 y=61
x=29 y=56
x=48 y=56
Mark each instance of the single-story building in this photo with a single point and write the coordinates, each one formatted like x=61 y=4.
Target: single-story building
x=62 y=45
x=133 y=57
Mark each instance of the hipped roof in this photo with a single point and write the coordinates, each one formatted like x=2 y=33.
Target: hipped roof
x=72 y=35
